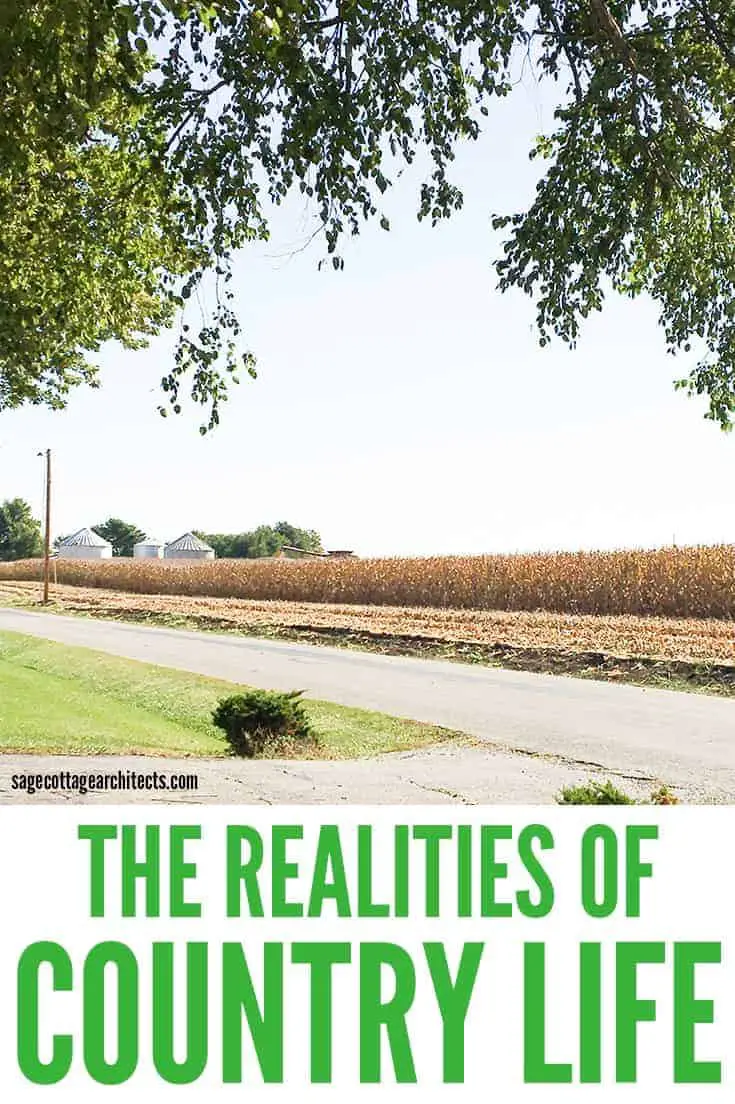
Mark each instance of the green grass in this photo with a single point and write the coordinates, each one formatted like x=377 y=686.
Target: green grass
x=61 y=700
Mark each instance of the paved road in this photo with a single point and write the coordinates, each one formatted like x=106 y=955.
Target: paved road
x=537 y=730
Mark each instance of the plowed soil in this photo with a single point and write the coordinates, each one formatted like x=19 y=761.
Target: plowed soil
x=624 y=637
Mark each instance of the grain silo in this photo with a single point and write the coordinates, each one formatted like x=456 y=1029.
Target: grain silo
x=150 y=548
x=85 y=545
x=188 y=547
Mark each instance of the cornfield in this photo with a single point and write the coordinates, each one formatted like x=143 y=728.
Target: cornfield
x=670 y=582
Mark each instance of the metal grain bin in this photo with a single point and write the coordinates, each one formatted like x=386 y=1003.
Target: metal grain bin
x=188 y=547
x=85 y=544
x=150 y=548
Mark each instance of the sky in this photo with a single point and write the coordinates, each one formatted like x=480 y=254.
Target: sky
x=403 y=406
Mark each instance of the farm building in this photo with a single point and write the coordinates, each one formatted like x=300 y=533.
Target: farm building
x=188 y=547
x=85 y=545
x=150 y=548
x=291 y=552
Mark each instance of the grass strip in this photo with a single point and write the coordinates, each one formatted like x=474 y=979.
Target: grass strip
x=57 y=699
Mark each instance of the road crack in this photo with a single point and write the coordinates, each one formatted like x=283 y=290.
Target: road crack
x=454 y=795
x=570 y=761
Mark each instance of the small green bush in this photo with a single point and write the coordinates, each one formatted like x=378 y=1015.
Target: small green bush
x=604 y=793
x=263 y=722
x=594 y=793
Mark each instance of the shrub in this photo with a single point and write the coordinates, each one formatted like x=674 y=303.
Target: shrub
x=262 y=722
x=604 y=793
x=594 y=793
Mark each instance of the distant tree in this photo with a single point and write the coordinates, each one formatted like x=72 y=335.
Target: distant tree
x=266 y=540
x=240 y=546
x=20 y=533
x=308 y=539
x=222 y=543
x=122 y=535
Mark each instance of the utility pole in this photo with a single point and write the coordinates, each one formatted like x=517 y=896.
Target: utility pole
x=47 y=541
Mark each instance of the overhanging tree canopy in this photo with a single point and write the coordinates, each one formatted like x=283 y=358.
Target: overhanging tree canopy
x=138 y=140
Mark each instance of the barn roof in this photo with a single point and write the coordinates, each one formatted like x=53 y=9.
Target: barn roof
x=189 y=543
x=85 y=538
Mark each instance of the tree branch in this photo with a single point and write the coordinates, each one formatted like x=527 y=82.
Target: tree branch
x=727 y=52
x=609 y=28
x=324 y=24
x=564 y=43
x=202 y=95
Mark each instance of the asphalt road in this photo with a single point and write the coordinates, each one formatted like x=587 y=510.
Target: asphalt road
x=537 y=731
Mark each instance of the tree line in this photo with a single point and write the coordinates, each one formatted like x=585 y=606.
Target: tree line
x=266 y=540
x=21 y=536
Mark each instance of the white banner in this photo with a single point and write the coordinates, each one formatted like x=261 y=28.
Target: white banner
x=393 y=953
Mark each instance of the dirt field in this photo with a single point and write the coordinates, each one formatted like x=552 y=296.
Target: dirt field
x=705 y=641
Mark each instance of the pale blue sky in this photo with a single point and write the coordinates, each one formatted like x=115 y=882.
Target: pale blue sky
x=403 y=406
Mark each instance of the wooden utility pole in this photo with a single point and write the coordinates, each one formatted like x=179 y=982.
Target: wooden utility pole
x=47 y=542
